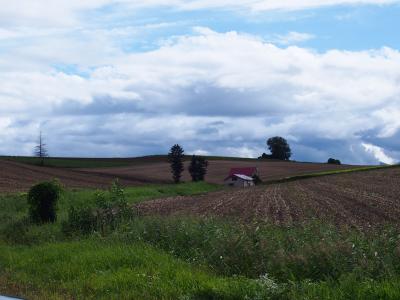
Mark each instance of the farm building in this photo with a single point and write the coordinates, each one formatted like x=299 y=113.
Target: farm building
x=241 y=177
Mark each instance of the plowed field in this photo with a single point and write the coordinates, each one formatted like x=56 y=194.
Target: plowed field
x=356 y=199
x=217 y=170
x=20 y=177
x=15 y=176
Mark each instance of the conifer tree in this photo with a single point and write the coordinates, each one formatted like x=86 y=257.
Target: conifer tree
x=198 y=168
x=175 y=158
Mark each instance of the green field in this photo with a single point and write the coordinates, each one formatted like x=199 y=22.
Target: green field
x=133 y=257
x=331 y=172
x=65 y=162
x=73 y=162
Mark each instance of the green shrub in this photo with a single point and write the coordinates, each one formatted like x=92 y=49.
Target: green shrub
x=42 y=201
x=110 y=209
x=82 y=220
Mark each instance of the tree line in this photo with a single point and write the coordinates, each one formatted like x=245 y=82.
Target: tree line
x=280 y=149
x=278 y=146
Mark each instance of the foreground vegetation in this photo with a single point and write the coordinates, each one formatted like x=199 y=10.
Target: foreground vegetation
x=123 y=255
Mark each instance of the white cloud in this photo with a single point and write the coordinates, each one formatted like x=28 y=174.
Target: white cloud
x=293 y=37
x=67 y=13
x=379 y=154
x=201 y=152
x=390 y=118
x=257 y=5
x=223 y=93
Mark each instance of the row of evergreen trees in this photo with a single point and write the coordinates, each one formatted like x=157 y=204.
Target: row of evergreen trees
x=197 y=168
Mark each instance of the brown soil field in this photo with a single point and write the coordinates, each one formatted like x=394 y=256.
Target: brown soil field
x=356 y=199
x=159 y=172
x=15 y=176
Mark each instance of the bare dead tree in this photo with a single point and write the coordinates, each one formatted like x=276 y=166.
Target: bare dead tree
x=41 y=149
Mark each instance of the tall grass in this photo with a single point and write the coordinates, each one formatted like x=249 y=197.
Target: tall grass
x=315 y=251
x=97 y=269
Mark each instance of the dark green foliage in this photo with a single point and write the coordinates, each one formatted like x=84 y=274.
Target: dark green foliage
x=111 y=208
x=175 y=158
x=334 y=161
x=80 y=220
x=42 y=201
x=279 y=148
x=198 y=168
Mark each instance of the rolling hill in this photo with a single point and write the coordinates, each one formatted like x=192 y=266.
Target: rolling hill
x=19 y=173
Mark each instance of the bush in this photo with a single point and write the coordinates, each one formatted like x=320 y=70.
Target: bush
x=42 y=201
x=111 y=208
x=82 y=220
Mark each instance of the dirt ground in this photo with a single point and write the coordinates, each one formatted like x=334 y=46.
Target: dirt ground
x=357 y=199
x=16 y=176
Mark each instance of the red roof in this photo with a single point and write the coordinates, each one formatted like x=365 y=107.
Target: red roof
x=243 y=171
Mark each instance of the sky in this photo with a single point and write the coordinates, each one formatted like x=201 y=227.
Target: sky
x=123 y=78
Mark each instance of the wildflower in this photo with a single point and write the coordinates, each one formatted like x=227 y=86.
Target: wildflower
x=267 y=282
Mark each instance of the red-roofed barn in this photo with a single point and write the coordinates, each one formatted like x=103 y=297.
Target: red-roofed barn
x=241 y=177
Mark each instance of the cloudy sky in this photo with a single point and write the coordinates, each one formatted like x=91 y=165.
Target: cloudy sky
x=128 y=78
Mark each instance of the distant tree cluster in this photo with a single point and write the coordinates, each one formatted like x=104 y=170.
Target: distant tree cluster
x=333 y=161
x=265 y=156
x=279 y=148
x=197 y=168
